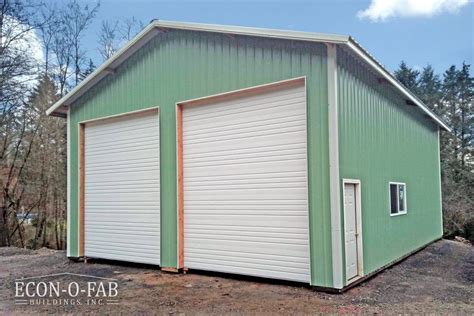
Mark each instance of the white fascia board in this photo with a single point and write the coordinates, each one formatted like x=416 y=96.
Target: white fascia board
x=360 y=52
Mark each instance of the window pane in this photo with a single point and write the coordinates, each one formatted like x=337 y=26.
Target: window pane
x=393 y=199
x=401 y=197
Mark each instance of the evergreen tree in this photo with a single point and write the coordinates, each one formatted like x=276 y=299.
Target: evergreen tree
x=452 y=99
x=90 y=69
x=456 y=151
x=429 y=89
x=466 y=113
x=408 y=77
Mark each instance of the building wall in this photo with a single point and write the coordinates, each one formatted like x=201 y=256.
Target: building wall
x=181 y=65
x=382 y=139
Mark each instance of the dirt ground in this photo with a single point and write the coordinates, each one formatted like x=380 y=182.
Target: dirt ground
x=439 y=279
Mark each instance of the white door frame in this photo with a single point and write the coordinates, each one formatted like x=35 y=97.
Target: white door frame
x=360 y=249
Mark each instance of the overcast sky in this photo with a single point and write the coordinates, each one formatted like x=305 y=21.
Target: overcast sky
x=438 y=32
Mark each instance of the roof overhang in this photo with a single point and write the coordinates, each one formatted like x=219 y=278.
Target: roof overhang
x=60 y=108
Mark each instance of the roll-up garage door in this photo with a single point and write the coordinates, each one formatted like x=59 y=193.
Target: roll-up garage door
x=245 y=184
x=122 y=188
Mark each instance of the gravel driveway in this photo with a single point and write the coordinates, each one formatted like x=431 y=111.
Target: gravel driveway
x=439 y=279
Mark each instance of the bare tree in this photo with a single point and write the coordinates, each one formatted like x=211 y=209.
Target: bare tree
x=18 y=20
x=130 y=27
x=77 y=19
x=114 y=34
x=47 y=32
x=108 y=39
x=62 y=49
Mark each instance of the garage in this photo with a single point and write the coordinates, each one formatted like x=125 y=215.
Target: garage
x=121 y=158
x=245 y=188
x=273 y=156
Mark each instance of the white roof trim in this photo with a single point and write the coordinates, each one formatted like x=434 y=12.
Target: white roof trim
x=155 y=26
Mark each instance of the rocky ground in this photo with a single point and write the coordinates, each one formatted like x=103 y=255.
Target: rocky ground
x=439 y=279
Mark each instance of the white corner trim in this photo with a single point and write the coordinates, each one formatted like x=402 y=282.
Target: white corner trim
x=68 y=189
x=440 y=180
x=334 y=183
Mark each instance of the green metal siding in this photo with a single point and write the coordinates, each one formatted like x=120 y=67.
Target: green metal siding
x=381 y=139
x=182 y=65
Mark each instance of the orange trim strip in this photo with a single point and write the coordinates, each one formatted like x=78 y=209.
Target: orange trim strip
x=179 y=129
x=81 y=188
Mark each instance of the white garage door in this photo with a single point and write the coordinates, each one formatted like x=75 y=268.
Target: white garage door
x=245 y=185
x=122 y=188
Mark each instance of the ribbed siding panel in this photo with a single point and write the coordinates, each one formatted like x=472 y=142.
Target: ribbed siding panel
x=182 y=65
x=122 y=188
x=245 y=186
x=383 y=139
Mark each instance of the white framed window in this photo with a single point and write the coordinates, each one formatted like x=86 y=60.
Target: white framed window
x=397 y=198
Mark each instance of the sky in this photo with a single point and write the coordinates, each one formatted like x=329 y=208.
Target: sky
x=421 y=32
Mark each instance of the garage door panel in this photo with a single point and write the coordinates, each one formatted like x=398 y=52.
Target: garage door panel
x=224 y=129
x=245 y=144
x=243 y=123
x=116 y=240
x=246 y=194
x=241 y=116
x=122 y=188
x=121 y=149
x=260 y=168
x=258 y=263
x=258 y=134
x=118 y=227
x=245 y=185
x=132 y=175
x=137 y=230
x=114 y=196
x=137 y=255
x=242 y=256
x=245 y=160
x=229 y=231
x=118 y=125
x=139 y=154
x=249 y=186
x=258 y=272
x=290 y=220
x=145 y=133
x=281 y=98
x=250 y=238
x=244 y=154
x=135 y=164
x=290 y=249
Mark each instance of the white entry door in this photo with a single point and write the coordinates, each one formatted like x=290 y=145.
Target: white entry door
x=350 y=209
x=122 y=188
x=245 y=185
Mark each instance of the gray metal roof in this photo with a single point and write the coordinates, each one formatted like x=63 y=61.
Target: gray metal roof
x=157 y=26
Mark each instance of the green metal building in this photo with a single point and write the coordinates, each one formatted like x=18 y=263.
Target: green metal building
x=269 y=153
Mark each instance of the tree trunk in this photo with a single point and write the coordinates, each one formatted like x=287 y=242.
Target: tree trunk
x=3 y=237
